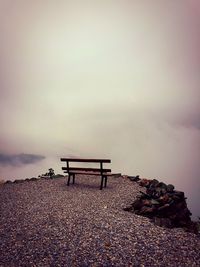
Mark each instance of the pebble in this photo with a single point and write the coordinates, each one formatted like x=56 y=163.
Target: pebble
x=46 y=223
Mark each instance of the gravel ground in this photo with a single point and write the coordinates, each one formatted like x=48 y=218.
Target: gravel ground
x=46 y=223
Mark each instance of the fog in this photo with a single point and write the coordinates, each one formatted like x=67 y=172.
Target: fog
x=114 y=79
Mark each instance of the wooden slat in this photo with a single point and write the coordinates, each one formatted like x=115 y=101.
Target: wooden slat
x=90 y=173
x=85 y=160
x=85 y=169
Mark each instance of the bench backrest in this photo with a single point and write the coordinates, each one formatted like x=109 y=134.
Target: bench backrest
x=85 y=160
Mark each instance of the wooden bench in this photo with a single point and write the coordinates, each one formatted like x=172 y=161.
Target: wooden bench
x=72 y=171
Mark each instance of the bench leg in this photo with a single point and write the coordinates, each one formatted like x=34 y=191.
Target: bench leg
x=68 y=179
x=105 y=182
x=102 y=177
x=73 y=178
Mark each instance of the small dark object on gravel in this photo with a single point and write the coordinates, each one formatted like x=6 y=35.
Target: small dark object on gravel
x=134 y=178
x=8 y=182
x=18 y=181
x=33 y=179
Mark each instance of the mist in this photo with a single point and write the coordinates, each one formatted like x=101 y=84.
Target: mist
x=117 y=79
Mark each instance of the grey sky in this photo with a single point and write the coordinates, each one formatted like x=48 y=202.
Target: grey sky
x=116 y=79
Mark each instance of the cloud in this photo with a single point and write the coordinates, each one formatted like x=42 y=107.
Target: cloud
x=185 y=119
x=19 y=159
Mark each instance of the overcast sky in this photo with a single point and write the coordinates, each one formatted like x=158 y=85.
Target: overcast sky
x=114 y=79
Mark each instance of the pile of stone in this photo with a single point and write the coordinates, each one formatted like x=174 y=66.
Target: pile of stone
x=18 y=181
x=161 y=203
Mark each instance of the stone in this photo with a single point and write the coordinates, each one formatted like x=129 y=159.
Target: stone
x=146 y=210
x=129 y=208
x=18 y=181
x=163 y=222
x=161 y=188
x=179 y=194
x=137 y=204
x=134 y=178
x=170 y=188
x=154 y=183
x=164 y=199
x=33 y=179
x=163 y=207
x=144 y=182
x=154 y=202
x=146 y=202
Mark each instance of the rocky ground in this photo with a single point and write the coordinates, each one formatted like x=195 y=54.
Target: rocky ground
x=46 y=223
